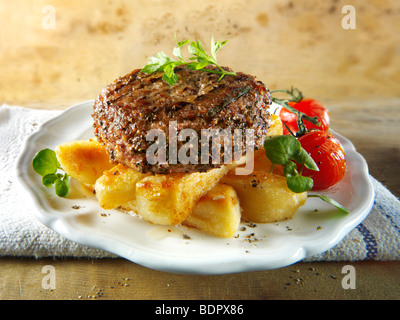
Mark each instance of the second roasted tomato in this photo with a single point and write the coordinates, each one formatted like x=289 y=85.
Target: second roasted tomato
x=328 y=154
x=311 y=108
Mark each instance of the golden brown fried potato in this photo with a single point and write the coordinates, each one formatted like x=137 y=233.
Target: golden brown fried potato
x=169 y=199
x=117 y=186
x=175 y=196
x=262 y=163
x=218 y=212
x=275 y=127
x=211 y=201
x=265 y=197
x=84 y=160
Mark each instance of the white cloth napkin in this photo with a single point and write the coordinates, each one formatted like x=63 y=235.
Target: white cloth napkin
x=22 y=235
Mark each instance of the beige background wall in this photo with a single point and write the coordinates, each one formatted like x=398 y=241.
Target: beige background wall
x=282 y=42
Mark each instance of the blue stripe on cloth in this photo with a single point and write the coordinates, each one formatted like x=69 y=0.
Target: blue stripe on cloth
x=393 y=217
x=370 y=242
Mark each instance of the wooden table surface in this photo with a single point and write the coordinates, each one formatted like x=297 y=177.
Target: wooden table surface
x=356 y=73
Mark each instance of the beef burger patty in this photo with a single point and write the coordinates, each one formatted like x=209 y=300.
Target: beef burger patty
x=128 y=108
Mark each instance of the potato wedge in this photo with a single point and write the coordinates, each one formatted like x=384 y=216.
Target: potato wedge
x=217 y=213
x=84 y=160
x=275 y=127
x=169 y=199
x=262 y=163
x=265 y=197
x=117 y=186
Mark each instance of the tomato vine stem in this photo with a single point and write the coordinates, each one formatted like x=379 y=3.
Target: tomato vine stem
x=295 y=96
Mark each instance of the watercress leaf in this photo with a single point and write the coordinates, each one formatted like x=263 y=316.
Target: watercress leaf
x=49 y=179
x=279 y=149
x=330 y=201
x=62 y=186
x=302 y=157
x=299 y=184
x=290 y=169
x=45 y=162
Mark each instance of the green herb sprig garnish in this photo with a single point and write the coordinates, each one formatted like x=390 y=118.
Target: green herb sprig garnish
x=199 y=60
x=46 y=164
x=287 y=151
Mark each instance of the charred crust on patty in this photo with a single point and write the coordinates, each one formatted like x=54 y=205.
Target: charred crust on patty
x=129 y=107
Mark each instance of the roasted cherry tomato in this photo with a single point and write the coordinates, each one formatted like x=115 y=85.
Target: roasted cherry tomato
x=328 y=154
x=311 y=108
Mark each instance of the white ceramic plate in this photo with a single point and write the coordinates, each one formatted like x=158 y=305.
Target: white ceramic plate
x=182 y=249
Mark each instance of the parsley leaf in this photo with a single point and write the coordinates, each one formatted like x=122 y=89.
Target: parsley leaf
x=158 y=63
x=215 y=46
x=199 y=60
x=177 y=52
